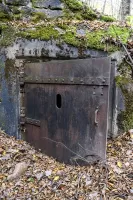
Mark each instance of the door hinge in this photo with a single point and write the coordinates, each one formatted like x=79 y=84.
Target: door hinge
x=21 y=79
x=22 y=115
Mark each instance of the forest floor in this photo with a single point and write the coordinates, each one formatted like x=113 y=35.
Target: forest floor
x=28 y=174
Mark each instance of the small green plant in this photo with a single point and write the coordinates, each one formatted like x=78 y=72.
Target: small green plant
x=74 y=4
x=107 y=18
x=122 y=32
x=88 y=14
x=129 y=20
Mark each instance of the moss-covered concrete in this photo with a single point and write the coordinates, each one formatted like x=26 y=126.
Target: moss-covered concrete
x=77 y=15
x=8 y=34
x=91 y=39
x=125 y=82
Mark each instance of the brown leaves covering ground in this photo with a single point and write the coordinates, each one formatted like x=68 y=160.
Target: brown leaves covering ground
x=95 y=25
x=47 y=179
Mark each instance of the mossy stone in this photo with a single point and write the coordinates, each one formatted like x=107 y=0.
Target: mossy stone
x=17 y=2
x=51 y=4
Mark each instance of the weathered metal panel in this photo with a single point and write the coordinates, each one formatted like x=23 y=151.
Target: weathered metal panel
x=77 y=130
x=81 y=68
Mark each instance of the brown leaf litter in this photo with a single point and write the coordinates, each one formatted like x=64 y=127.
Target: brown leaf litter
x=27 y=174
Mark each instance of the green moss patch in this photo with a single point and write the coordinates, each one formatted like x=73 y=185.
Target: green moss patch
x=77 y=10
x=74 y=4
x=122 y=32
x=70 y=38
x=37 y=16
x=88 y=14
x=94 y=38
x=4 y=17
x=43 y=33
x=126 y=117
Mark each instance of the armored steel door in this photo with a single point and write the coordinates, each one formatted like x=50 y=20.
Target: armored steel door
x=66 y=108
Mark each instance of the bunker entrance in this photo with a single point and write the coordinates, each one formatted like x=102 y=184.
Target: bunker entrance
x=65 y=108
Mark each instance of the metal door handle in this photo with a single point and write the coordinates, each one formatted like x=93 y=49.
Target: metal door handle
x=96 y=112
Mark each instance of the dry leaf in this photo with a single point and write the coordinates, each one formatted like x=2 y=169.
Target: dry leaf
x=48 y=173
x=4 y=153
x=56 y=178
x=119 y=164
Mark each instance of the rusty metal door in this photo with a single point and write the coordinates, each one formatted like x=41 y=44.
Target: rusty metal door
x=66 y=108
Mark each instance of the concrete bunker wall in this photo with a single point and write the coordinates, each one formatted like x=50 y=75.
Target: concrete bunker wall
x=13 y=59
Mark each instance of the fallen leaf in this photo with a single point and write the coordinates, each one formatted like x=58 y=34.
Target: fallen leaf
x=48 y=173
x=127 y=164
x=31 y=179
x=131 y=191
x=56 y=178
x=119 y=164
x=4 y=153
x=39 y=176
